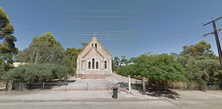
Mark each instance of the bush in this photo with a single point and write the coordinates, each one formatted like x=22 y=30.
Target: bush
x=30 y=73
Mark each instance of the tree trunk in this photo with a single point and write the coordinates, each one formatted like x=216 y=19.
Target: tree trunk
x=33 y=54
x=36 y=58
x=9 y=85
x=46 y=58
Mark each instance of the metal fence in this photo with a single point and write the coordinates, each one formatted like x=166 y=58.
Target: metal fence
x=61 y=86
x=180 y=86
x=2 y=86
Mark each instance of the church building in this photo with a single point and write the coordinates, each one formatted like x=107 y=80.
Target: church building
x=94 y=61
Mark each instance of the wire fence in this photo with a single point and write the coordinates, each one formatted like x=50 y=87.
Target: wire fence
x=2 y=86
x=61 y=86
x=149 y=86
x=136 y=85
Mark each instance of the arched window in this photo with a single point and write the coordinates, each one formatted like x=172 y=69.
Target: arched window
x=89 y=65
x=97 y=65
x=93 y=63
x=92 y=44
x=105 y=64
x=96 y=46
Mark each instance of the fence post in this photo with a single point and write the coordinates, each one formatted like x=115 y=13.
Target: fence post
x=143 y=85
x=164 y=85
x=12 y=86
x=136 y=85
x=184 y=85
x=43 y=86
x=205 y=86
x=87 y=87
x=129 y=84
x=65 y=86
x=20 y=86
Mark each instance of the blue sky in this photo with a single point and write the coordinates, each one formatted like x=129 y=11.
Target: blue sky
x=123 y=27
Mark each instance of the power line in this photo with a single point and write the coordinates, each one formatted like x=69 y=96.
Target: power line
x=216 y=37
x=84 y=16
x=188 y=43
x=114 y=35
x=193 y=29
x=106 y=16
x=132 y=11
x=210 y=33
x=93 y=21
x=111 y=38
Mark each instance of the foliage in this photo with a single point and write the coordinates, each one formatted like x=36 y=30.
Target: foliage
x=7 y=45
x=43 y=49
x=159 y=68
x=123 y=60
x=70 y=58
x=2 y=67
x=199 y=49
x=115 y=63
x=196 y=63
x=83 y=44
x=30 y=73
x=126 y=70
x=201 y=68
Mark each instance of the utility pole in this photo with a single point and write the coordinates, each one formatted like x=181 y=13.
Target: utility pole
x=216 y=37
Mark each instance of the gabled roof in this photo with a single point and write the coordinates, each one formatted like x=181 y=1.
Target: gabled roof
x=91 y=50
x=103 y=47
x=94 y=48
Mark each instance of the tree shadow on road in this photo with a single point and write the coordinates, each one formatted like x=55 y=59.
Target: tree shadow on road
x=164 y=93
x=154 y=91
x=122 y=84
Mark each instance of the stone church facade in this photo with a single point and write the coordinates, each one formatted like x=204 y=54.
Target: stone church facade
x=94 y=61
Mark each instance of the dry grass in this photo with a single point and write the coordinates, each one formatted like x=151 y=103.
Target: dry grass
x=140 y=78
x=183 y=85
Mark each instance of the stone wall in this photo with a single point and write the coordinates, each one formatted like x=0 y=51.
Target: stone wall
x=92 y=76
x=100 y=55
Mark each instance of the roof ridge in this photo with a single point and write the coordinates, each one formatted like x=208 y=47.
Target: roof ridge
x=96 y=49
x=91 y=49
x=103 y=47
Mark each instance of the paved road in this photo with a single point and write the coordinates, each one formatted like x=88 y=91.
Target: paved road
x=87 y=104
x=113 y=104
x=187 y=100
x=102 y=99
x=93 y=100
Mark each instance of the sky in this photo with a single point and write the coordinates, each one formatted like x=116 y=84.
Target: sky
x=123 y=27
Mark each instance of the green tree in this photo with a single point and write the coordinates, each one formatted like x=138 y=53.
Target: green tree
x=126 y=70
x=43 y=49
x=199 y=49
x=123 y=60
x=116 y=61
x=199 y=63
x=30 y=73
x=7 y=45
x=70 y=57
x=83 y=44
x=201 y=69
x=158 y=68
